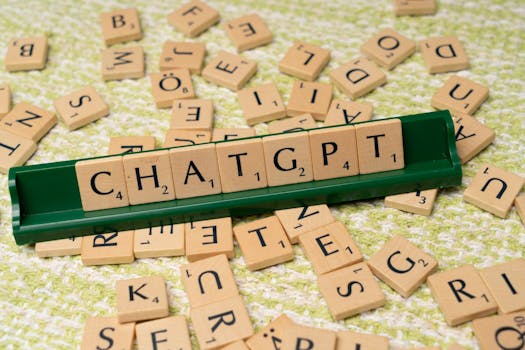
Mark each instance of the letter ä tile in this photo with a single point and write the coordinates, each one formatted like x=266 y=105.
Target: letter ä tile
x=303 y=337
x=193 y=17
x=297 y=221
x=248 y=32
x=120 y=26
x=179 y=54
x=304 y=61
x=460 y=95
x=444 y=54
x=101 y=332
x=81 y=107
x=353 y=340
x=170 y=332
x=140 y=299
x=358 y=77
x=229 y=70
x=108 y=248
x=14 y=150
x=297 y=123
x=506 y=282
x=501 y=332
x=209 y=238
x=272 y=334
x=26 y=54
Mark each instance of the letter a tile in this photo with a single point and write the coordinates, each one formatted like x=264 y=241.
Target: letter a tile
x=348 y=112
x=120 y=26
x=271 y=335
x=504 y=332
x=472 y=136
x=444 y=54
x=26 y=54
x=170 y=332
x=14 y=150
x=506 y=282
x=140 y=299
x=100 y=332
x=248 y=32
x=460 y=95
x=358 y=77
x=229 y=70
x=193 y=17
x=388 y=48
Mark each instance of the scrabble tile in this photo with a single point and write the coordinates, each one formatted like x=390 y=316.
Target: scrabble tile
x=506 y=283
x=170 y=333
x=380 y=146
x=28 y=121
x=195 y=171
x=193 y=18
x=192 y=114
x=419 y=202
x=180 y=54
x=297 y=221
x=456 y=346
x=428 y=348
x=361 y=341
x=348 y=112
x=223 y=134
x=271 y=336
x=5 y=100
x=123 y=63
x=493 y=190
x=208 y=280
x=148 y=177
x=388 y=48
x=444 y=54
x=261 y=103
x=81 y=107
x=309 y=97
x=182 y=137
x=304 y=61
x=171 y=85
x=240 y=165
x=60 y=247
x=238 y=345
x=402 y=265
x=229 y=70
x=520 y=207
x=303 y=337
x=107 y=333
x=334 y=152
x=330 y=247
x=287 y=158
x=120 y=26
x=26 y=54
x=221 y=323
x=130 y=144
x=414 y=7
x=461 y=295
x=248 y=32
x=503 y=332
x=108 y=248
x=358 y=77
x=165 y=240
x=143 y=298
x=209 y=238
x=297 y=123
x=472 y=136
x=263 y=243
x=350 y=291
x=14 y=150
x=460 y=95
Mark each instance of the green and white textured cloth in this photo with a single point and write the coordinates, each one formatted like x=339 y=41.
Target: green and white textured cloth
x=45 y=302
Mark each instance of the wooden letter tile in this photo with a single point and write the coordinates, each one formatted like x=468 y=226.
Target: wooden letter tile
x=148 y=177
x=5 y=100
x=195 y=171
x=287 y=158
x=304 y=61
x=353 y=340
x=297 y=123
x=520 y=207
x=108 y=248
x=461 y=294
x=334 y=152
x=192 y=114
x=81 y=107
x=380 y=146
x=130 y=144
x=506 y=282
x=208 y=280
x=28 y=121
x=165 y=240
x=240 y=165
x=184 y=137
x=350 y=291
x=263 y=243
x=238 y=345
x=14 y=150
x=330 y=247
x=456 y=346
x=120 y=26
x=414 y=7
x=504 y=332
x=297 y=221
x=302 y=337
x=60 y=247
x=402 y=265
x=248 y=32
x=209 y=238
x=223 y=134
x=221 y=323
x=171 y=85
x=143 y=298
x=472 y=136
x=26 y=54
x=271 y=335
x=419 y=202
x=348 y=112
x=177 y=54
x=388 y=48
x=309 y=97
x=101 y=332
x=494 y=190
x=170 y=332
x=193 y=18
x=123 y=63
x=358 y=77
x=229 y=70
x=444 y=54
x=261 y=104
x=460 y=95
x=102 y=183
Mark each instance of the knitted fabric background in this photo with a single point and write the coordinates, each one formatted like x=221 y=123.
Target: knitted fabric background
x=45 y=302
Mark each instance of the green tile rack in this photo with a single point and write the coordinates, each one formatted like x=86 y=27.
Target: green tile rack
x=46 y=202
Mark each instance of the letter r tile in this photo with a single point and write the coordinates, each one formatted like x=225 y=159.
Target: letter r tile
x=140 y=299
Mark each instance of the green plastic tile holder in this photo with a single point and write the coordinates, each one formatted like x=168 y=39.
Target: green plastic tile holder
x=46 y=201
